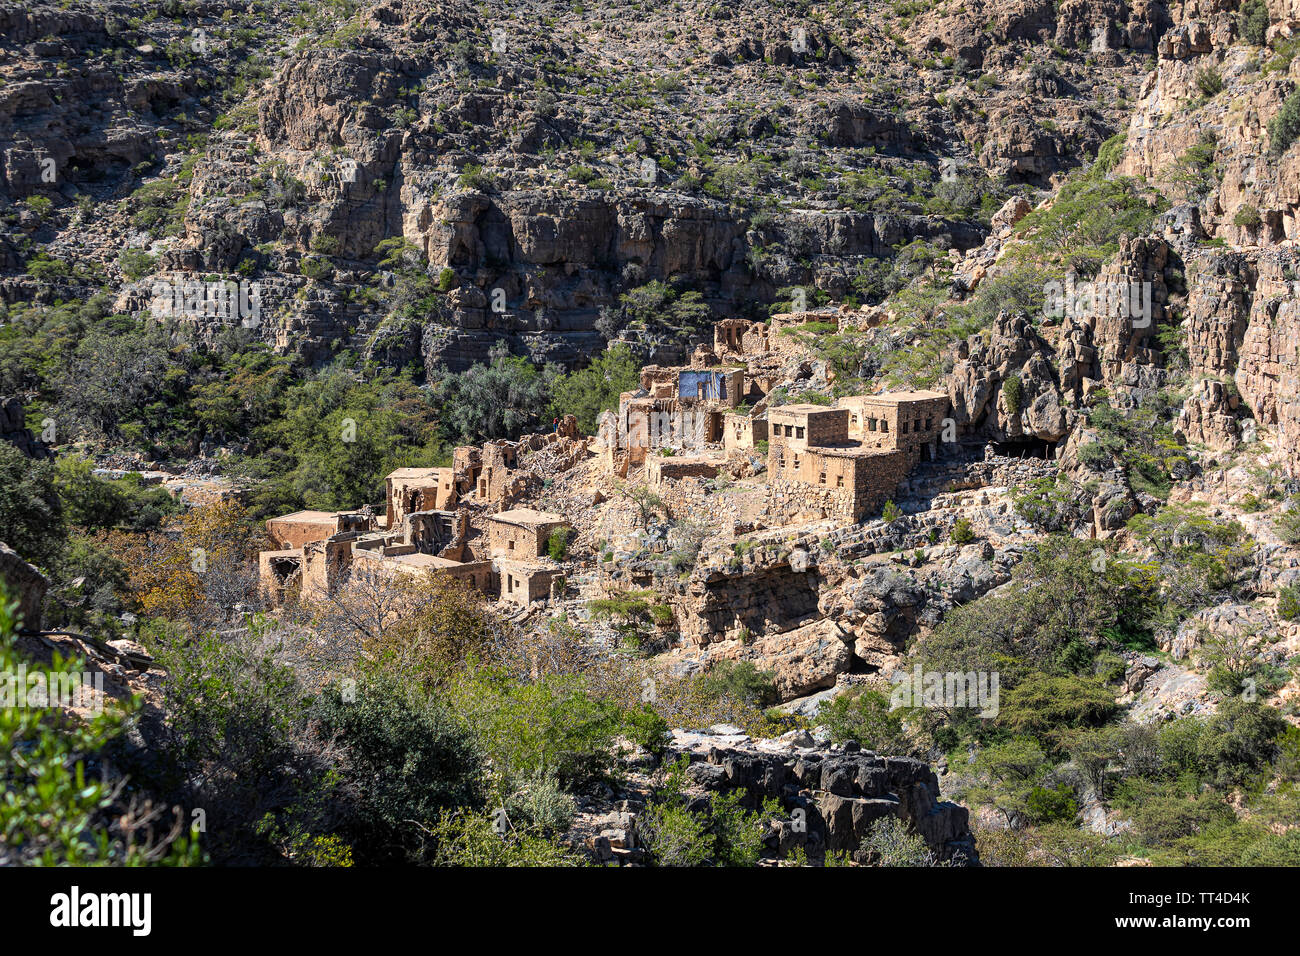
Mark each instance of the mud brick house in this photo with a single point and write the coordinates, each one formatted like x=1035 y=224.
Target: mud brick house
x=818 y=468
x=522 y=533
x=897 y=420
x=419 y=489
x=303 y=527
x=435 y=519
x=523 y=582
x=679 y=408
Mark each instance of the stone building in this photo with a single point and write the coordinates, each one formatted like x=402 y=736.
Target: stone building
x=435 y=519
x=898 y=419
x=522 y=533
x=303 y=527
x=818 y=468
x=419 y=489
x=523 y=582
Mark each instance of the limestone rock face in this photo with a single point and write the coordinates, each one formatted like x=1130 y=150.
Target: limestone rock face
x=1014 y=349
x=841 y=791
x=25 y=584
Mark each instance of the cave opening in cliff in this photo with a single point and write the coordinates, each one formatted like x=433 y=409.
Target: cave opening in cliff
x=1026 y=447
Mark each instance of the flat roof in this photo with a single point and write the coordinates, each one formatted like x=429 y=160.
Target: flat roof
x=308 y=516
x=421 y=560
x=896 y=397
x=527 y=516
x=526 y=567
x=414 y=473
x=804 y=409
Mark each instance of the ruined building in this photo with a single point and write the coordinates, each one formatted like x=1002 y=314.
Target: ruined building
x=455 y=520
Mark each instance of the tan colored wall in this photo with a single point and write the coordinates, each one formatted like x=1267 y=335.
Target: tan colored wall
x=740 y=432
x=801 y=430
x=285 y=533
x=524 y=585
x=659 y=469
x=811 y=484
x=406 y=495
x=528 y=541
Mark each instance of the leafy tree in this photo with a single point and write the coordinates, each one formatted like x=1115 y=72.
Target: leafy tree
x=92 y=502
x=59 y=808
x=587 y=392
x=31 y=512
x=202 y=572
x=1064 y=604
x=1010 y=772
x=436 y=628
x=658 y=306
x=1253 y=21
x=497 y=400
x=1045 y=707
x=548 y=726
x=408 y=763
x=336 y=440
x=867 y=718
x=742 y=680
x=1285 y=126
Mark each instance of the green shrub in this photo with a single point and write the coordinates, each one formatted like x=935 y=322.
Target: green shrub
x=1253 y=21
x=1288 y=602
x=741 y=680
x=1012 y=393
x=867 y=718
x=1247 y=217
x=472 y=838
x=891 y=511
x=889 y=842
x=135 y=263
x=558 y=543
x=1285 y=126
x=407 y=761
x=961 y=532
x=722 y=834
x=1209 y=81
x=1056 y=805
x=552 y=726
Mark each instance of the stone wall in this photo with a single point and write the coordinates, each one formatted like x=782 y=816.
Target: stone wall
x=825 y=483
x=660 y=469
x=842 y=795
